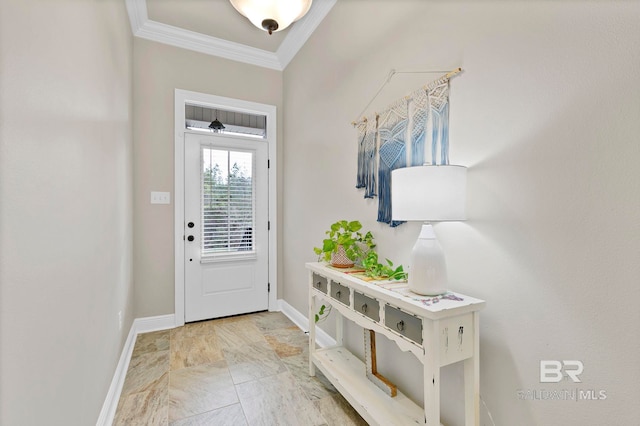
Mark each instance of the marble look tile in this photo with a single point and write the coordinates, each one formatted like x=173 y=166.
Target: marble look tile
x=317 y=387
x=145 y=408
x=271 y=320
x=236 y=318
x=277 y=400
x=252 y=361
x=287 y=341
x=196 y=390
x=196 y=350
x=146 y=372
x=194 y=329
x=264 y=348
x=151 y=342
x=337 y=411
x=237 y=333
x=226 y=416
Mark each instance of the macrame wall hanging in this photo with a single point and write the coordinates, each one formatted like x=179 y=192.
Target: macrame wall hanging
x=392 y=130
x=419 y=126
x=367 y=150
x=438 y=96
x=400 y=136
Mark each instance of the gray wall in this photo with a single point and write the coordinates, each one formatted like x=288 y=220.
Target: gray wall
x=65 y=207
x=545 y=116
x=158 y=71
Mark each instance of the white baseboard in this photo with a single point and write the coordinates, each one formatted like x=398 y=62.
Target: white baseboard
x=110 y=405
x=323 y=339
x=160 y=322
x=139 y=325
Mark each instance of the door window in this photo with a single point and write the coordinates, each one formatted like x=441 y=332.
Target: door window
x=228 y=204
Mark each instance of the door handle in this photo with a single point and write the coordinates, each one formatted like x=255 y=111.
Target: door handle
x=190 y=238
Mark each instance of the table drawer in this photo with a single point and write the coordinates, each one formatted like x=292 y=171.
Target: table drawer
x=366 y=305
x=340 y=292
x=319 y=283
x=401 y=322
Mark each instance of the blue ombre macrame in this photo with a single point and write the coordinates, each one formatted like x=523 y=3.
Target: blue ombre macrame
x=430 y=107
x=438 y=95
x=392 y=127
x=419 y=118
x=369 y=167
x=362 y=132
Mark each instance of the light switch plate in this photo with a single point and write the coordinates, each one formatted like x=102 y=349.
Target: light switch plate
x=160 y=197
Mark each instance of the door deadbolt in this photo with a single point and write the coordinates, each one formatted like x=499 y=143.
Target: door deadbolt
x=190 y=238
x=190 y=225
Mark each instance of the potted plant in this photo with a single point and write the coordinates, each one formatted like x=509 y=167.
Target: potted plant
x=345 y=244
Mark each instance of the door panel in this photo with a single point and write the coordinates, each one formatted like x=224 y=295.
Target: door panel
x=226 y=250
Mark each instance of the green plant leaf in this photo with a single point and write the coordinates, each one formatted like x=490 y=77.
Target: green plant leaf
x=344 y=239
x=354 y=226
x=329 y=245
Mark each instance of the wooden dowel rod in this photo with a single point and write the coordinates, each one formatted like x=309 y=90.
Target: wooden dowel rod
x=426 y=87
x=454 y=72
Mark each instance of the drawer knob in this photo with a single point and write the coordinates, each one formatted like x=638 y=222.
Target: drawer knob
x=319 y=284
x=400 y=326
x=364 y=308
x=338 y=294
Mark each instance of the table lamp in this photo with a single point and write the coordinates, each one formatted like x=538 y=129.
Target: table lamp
x=428 y=193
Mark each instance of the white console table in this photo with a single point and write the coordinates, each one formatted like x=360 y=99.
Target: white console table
x=438 y=330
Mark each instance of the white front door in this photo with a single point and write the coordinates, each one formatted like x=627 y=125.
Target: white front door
x=226 y=226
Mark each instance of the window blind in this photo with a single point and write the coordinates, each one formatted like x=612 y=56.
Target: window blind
x=228 y=202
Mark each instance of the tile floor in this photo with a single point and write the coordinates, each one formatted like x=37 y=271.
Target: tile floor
x=245 y=370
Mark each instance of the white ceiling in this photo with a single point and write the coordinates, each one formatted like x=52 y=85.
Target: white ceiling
x=214 y=27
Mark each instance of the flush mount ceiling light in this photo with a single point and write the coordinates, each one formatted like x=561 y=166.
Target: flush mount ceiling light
x=272 y=15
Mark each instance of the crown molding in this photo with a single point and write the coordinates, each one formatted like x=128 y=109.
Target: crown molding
x=174 y=36
x=137 y=11
x=302 y=30
x=143 y=27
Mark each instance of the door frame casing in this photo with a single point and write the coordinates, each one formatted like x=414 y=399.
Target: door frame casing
x=182 y=97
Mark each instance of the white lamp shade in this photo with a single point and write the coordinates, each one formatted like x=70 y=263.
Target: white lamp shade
x=284 y=12
x=429 y=193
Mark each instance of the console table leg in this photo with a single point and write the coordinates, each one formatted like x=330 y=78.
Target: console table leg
x=431 y=373
x=312 y=331
x=339 y=329
x=472 y=379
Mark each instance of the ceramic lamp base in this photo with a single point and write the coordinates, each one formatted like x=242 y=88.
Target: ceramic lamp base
x=428 y=269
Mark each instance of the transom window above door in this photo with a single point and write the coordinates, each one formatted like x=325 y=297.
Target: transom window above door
x=200 y=118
